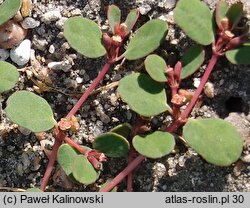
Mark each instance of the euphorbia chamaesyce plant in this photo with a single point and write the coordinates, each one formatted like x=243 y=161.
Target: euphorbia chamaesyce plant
x=84 y=35
x=145 y=92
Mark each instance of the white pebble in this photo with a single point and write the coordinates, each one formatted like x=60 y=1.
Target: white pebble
x=52 y=49
x=79 y=80
x=21 y=54
x=29 y=22
x=196 y=82
x=4 y=54
x=51 y=16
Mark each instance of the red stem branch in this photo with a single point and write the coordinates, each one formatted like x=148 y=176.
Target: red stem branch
x=123 y=174
x=86 y=94
x=50 y=165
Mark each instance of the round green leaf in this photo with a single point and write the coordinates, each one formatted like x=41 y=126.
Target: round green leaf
x=8 y=9
x=216 y=140
x=192 y=60
x=143 y=95
x=156 y=68
x=83 y=171
x=147 y=39
x=122 y=129
x=84 y=36
x=30 y=111
x=240 y=55
x=154 y=145
x=65 y=158
x=114 y=16
x=111 y=144
x=195 y=19
x=131 y=20
x=8 y=76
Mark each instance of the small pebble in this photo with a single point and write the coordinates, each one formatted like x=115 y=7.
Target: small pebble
x=21 y=54
x=29 y=22
x=52 y=49
x=4 y=54
x=144 y=9
x=51 y=16
x=79 y=80
x=196 y=82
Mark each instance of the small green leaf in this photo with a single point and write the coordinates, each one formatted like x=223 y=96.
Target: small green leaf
x=8 y=9
x=83 y=171
x=143 y=95
x=65 y=157
x=195 y=19
x=240 y=55
x=192 y=60
x=131 y=20
x=221 y=11
x=156 y=68
x=147 y=39
x=114 y=16
x=8 y=76
x=30 y=111
x=235 y=13
x=216 y=140
x=122 y=129
x=84 y=36
x=34 y=190
x=154 y=145
x=111 y=144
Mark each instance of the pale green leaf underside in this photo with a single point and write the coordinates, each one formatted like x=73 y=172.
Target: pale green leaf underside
x=8 y=76
x=30 y=111
x=131 y=19
x=114 y=17
x=156 y=68
x=192 y=60
x=195 y=19
x=222 y=8
x=84 y=36
x=65 y=158
x=8 y=9
x=154 y=145
x=239 y=55
x=146 y=40
x=83 y=171
x=111 y=144
x=143 y=95
x=216 y=140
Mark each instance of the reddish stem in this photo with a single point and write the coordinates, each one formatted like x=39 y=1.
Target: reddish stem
x=123 y=174
x=86 y=94
x=50 y=165
x=75 y=145
x=130 y=175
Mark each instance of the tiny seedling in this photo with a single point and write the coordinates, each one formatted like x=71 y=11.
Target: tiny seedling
x=217 y=141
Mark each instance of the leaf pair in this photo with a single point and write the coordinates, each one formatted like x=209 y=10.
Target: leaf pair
x=197 y=22
x=85 y=37
x=114 y=18
x=76 y=165
x=191 y=61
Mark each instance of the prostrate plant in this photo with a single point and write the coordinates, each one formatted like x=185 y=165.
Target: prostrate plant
x=32 y=112
x=216 y=140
